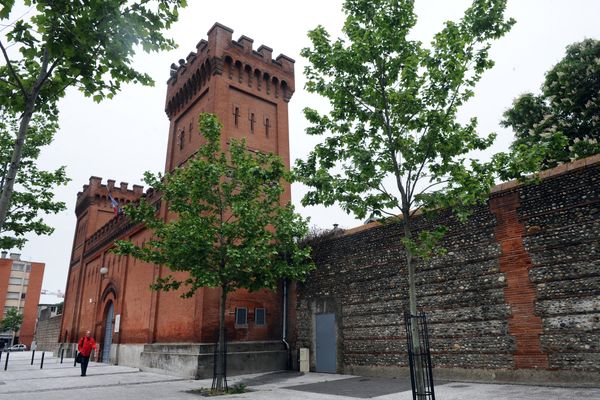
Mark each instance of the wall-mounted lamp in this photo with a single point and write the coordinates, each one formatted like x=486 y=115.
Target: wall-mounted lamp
x=103 y=271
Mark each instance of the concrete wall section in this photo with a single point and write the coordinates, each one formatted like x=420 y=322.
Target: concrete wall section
x=126 y=354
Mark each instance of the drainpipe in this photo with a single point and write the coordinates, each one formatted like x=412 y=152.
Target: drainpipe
x=284 y=330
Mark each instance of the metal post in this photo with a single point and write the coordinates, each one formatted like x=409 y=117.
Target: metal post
x=32 y=356
x=1 y=351
x=6 y=361
x=62 y=354
x=42 y=363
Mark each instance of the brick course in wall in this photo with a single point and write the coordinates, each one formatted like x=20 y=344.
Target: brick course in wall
x=517 y=290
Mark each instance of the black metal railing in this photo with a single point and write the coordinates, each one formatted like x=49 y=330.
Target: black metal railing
x=419 y=357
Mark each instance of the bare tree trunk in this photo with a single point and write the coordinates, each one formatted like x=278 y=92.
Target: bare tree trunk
x=412 y=304
x=30 y=99
x=7 y=189
x=221 y=345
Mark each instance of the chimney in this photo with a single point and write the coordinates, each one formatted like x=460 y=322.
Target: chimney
x=4 y=253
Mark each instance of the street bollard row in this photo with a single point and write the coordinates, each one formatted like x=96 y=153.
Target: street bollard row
x=32 y=358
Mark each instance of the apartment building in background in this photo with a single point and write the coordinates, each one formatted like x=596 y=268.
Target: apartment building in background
x=20 y=287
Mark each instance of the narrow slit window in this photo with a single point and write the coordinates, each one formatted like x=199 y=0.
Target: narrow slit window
x=252 y=121
x=181 y=139
x=267 y=127
x=236 y=116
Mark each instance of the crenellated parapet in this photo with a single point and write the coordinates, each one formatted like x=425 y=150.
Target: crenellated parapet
x=97 y=193
x=254 y=70
x=107 y=233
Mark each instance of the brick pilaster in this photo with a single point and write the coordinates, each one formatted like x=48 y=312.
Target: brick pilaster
x=519 y=292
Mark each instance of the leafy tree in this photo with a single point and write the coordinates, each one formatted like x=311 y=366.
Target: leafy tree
x=33 y=192
x=12 y=321
x=58 y=44
x=393 y=144
x=565 y=117
x=230 y=229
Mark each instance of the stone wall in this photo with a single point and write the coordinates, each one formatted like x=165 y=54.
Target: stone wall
x=47 y=333
x=517 y=290
x=564 y=245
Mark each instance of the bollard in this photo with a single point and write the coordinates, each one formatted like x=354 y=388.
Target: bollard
x=1 y=351
x=42 y=363
x=32 y=355
x=62 y=354
x=6 y=361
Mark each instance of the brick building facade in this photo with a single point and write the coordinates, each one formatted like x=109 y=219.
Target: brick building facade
x=516 y=297
x=20 y=287
x=108 y=294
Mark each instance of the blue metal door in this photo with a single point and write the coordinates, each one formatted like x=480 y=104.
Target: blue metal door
x=108 y=330
x=326 y=343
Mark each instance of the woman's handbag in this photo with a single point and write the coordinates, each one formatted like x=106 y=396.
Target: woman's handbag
x=79 y=358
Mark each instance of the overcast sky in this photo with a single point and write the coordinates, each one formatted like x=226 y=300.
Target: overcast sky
x=122 y=138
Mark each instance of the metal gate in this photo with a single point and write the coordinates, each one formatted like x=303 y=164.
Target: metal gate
x=419 y=356
x=326 y=343
x=108 y=331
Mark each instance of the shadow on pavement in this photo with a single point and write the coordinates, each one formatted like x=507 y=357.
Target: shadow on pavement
x=361 y=387
x=273 y=377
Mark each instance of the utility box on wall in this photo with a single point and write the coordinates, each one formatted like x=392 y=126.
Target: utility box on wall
x=304 y=360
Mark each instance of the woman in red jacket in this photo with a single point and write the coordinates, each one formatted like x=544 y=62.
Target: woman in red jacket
x=85 y=346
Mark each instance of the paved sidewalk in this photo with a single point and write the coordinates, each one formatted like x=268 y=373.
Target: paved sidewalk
x=60 y=381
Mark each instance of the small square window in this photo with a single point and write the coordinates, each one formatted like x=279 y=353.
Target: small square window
x=260 y=316
x=241 y=316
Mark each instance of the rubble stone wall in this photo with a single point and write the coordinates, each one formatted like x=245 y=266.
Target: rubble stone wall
x=518 y=288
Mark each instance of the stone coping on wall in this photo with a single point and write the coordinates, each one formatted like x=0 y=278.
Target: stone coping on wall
x=502 y=187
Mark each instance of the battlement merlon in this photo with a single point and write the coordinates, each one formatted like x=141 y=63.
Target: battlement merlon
x=97 y=193
x=220 y=45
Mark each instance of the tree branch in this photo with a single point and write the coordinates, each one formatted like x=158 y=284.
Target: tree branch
x=49 y=72
x=9 y=83
x=432 y=185
x=359 y=100
x=11 y=69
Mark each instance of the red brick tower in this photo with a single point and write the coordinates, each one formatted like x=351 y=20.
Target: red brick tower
x=108 y=294
x=245 y=88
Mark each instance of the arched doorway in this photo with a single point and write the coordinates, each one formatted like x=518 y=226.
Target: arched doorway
x=108 y=330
